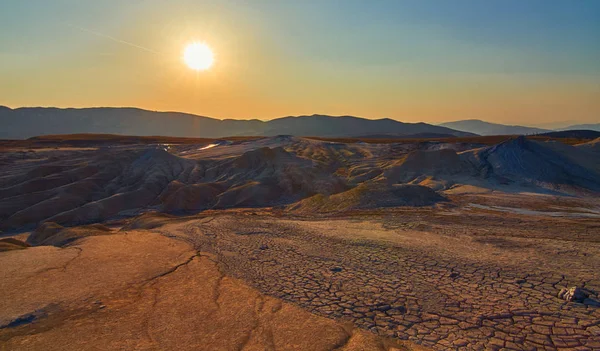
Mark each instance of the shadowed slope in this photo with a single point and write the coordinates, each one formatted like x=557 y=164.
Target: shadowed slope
x=549 y=165
x=91 y=185
x=369 y=196
x=591 y=146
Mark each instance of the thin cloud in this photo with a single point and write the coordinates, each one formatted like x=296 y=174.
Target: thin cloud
x=112 y=38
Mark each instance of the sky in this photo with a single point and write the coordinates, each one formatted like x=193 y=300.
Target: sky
x=527 y=62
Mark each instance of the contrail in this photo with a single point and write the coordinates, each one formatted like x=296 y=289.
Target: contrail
x=112 y=38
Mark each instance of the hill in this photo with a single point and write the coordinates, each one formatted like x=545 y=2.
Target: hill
x=91 y=187
x=595 y=126
x=407 y=136
x=28 y=122
x=328 y=126
x=81 y=185
x=369 y=196
x=576 y=134
x=550 y=165
x=485 y=128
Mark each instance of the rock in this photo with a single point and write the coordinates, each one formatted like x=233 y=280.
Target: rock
x=400 y=309
x=383 y=308
x=591 y=302
x=574 y=294
x=336 y=269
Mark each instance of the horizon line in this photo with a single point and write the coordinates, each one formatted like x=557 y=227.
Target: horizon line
x=568 y=123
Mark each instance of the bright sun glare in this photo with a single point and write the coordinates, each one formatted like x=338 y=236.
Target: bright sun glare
x=198 y=56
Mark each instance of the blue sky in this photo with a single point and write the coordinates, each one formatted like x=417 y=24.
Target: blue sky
x=409 y=60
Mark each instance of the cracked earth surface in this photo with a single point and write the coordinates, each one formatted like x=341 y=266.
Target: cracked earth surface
x=141 y=291
x=474 y=286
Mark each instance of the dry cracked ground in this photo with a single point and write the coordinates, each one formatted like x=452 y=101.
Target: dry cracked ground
x=137 y=290
x=420 y=276
x=450 y=278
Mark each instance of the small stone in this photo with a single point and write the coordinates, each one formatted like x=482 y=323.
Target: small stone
x=401 y=309
x=591 y=302
x=383 y=308
x=336 y=269
x=561 y=293
x=574 y=294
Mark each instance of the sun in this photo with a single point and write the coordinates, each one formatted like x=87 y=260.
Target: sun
x=198 y=56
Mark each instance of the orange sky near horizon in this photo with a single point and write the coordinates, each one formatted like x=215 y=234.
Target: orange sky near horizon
x=209 y=94
x=266 y=68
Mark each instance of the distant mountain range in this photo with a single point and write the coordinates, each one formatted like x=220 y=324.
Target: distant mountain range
x=411 y=136
x=486 y=128
x=27 y=122
x=480 y=127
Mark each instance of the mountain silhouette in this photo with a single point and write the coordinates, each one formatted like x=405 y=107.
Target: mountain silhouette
x=480 y=127
x=27 y=122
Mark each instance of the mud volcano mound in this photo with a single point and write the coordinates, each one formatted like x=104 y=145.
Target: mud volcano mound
x=190 y=197
x=270 y=176
x=97 y=184
x=369 y=196
x=119 y=183
x=548 y=165
x=432 y=163
x=88 y=189
x=141 y=180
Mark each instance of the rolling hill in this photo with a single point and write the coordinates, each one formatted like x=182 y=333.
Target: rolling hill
x=593 y=126
x=574 y=133
x=84 y=185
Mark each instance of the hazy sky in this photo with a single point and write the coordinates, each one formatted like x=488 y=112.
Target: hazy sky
x=507 y=61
